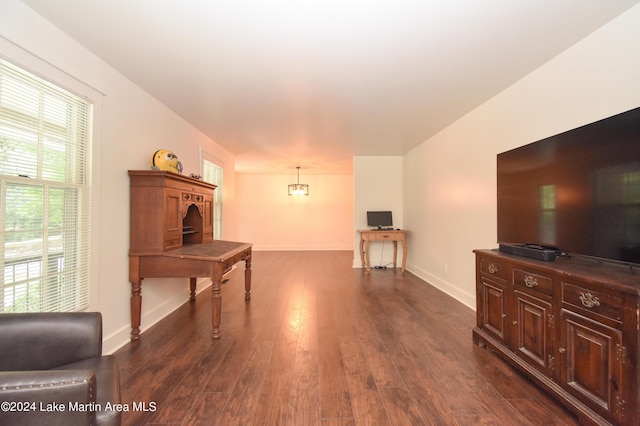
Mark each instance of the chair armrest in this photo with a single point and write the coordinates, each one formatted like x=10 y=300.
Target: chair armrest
x=41 y=341
x=51 y=397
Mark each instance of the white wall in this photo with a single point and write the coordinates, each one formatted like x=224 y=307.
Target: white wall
x=273 y=220
x=449 y=180
x=133 y=126
x=377 y=187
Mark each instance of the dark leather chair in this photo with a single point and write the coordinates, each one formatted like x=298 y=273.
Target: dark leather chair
x=52 y=371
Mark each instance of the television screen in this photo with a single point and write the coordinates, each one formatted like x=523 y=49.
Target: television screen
x=379 y=219
x=578 y=191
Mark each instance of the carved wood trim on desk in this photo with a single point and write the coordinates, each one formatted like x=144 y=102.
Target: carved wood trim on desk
x=368 y=235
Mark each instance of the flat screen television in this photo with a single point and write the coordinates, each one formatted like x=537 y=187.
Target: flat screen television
x=577 y=192
x=382 y=219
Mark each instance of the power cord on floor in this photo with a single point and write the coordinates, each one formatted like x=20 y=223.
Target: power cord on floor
x=380 y=266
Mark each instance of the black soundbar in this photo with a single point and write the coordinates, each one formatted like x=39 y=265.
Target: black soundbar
x=531 y=251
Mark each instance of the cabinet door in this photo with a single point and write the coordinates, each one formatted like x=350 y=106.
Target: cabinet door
x=593 y=367
x=533 y=331
x=492 y=315
x=172 y=219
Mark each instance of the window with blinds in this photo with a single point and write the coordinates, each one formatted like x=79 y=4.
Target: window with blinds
x=212 y=173
x=45 y=141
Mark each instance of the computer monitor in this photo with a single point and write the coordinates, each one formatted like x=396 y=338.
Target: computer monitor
x=382 y=219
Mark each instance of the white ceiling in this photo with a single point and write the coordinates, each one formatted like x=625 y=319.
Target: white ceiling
x=282 y=83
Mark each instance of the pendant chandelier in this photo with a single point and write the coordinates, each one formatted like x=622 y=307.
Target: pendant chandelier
x=298 y=188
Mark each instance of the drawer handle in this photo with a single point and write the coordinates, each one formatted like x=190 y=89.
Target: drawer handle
x=530 y=281
x=589 y=300
x=493 y=268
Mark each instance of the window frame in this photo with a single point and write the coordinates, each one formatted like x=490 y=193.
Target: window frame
x=217 y=194
x=82 y=191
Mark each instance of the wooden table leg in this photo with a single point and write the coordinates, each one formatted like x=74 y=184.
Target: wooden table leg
x=136 y=309
x=216 y=301
x=395 y=253
x=368 y=258
x=404 y=253
x=364 y=265
x=247 y=278
x=192 y=288
x=136 y=296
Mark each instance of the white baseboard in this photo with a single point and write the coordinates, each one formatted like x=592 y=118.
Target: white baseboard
x=466 y=299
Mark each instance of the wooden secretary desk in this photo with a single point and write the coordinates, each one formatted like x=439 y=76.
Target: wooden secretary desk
x=171 y=236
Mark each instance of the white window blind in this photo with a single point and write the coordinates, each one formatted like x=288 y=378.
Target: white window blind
x=45 y=140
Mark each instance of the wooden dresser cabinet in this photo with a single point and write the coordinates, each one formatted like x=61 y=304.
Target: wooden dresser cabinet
x=571 y=325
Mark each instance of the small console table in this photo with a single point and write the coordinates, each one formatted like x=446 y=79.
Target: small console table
x=368 y=235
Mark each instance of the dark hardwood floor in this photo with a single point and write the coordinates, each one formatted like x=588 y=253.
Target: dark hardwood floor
x=321 y=343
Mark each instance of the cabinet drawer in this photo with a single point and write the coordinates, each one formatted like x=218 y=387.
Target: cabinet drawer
x=609 y=306
x=382 y=236
x=196 y=198
x=532 y=281
x=496 y=269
